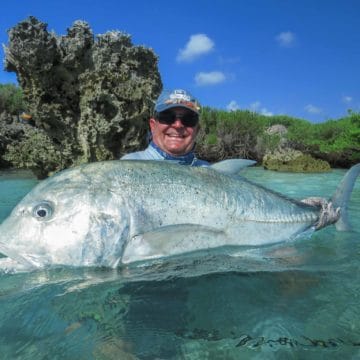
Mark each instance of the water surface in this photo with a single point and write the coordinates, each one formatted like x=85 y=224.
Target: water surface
x=304 y=304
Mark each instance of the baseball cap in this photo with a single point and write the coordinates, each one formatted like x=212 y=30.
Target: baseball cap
x=177 y=98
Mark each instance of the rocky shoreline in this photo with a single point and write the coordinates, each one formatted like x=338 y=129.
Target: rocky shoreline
x=88 y=98
x=18 y=135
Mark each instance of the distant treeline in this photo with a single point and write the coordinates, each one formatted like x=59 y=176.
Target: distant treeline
x=246 y=134
x=243 y=133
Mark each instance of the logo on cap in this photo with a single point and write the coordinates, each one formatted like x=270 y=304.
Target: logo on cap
x=177 y=98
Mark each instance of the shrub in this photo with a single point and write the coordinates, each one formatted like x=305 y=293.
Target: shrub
x=242 y=134
x=11 y=99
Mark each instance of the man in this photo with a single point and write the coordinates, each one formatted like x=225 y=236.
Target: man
x=174 y=128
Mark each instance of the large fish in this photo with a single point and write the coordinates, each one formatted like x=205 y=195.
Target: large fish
x=121 y=212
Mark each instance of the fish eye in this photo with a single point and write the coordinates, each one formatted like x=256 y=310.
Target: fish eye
x=43 y=211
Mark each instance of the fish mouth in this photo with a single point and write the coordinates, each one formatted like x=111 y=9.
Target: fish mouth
x=19 y=258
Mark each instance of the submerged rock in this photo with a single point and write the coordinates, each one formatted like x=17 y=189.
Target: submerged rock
x=90 y=98
x=291 y=160
x=286 y=158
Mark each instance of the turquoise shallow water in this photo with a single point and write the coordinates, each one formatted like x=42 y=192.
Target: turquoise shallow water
x=303 y=305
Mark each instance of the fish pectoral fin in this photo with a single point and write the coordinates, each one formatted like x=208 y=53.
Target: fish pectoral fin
x=172 y=240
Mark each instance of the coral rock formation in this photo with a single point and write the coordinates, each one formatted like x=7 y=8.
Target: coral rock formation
x=90 y=97
x=285 y=158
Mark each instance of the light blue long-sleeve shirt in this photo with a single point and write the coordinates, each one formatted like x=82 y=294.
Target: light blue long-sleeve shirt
x=153 y=152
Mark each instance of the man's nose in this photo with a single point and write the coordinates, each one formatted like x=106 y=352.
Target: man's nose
x=177 y=123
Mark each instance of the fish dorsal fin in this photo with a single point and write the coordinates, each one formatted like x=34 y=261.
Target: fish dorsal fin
x=171 y=240
x=232 y=166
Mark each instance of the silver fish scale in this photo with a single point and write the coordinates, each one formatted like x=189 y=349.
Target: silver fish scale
x=176 y=191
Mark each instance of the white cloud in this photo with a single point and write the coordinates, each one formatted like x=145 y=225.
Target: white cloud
x=347 y=99
x=266 y=112
x=286 y=39
x=232 y=106
x=256 y=107
x=209 y=78
x=197 y=45
x=313 y=109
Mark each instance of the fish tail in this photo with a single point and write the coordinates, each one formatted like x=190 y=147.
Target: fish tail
x=341 y=197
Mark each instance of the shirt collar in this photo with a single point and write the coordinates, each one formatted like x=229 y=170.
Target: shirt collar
x=186 y=159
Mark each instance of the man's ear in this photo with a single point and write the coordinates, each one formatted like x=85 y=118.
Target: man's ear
x=152 y=123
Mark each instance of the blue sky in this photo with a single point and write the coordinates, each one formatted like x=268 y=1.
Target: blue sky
x=295 y=57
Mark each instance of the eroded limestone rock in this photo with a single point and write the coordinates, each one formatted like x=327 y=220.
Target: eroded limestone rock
x=90 y=97
x=290 y=160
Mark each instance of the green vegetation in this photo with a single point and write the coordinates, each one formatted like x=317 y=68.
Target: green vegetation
x=243 y=134
x=334 y=136
x=11 y=99
x=224 y=134
x=229 y=134
x=339 y=139
x=35 y=151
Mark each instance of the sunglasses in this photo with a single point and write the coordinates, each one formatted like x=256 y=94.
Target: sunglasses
x=169 y=117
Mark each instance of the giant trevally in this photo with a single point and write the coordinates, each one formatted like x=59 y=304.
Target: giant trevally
x=121 y=212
